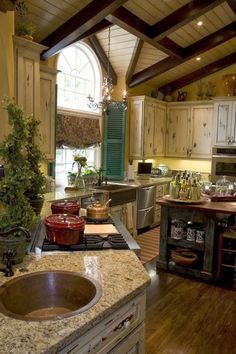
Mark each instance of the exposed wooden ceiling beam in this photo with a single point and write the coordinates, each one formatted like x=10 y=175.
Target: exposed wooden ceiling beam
x=195 y=49
x=133 y=24
x=211 y=41
x=102 y=57
x=200 y=73
x=78 y=24
x=93 y=30
x=133 y=62
x=181 y=17
x=232 y=4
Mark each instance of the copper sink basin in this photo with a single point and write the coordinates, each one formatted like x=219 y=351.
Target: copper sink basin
x=49 y=295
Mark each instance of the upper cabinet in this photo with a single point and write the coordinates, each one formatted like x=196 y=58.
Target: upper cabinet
x=47 y=110
x=35 y=90
x=147 y=127
x=189 y=130
x=225 y=121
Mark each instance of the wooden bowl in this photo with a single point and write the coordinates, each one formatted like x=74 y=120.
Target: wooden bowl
x=184 y=257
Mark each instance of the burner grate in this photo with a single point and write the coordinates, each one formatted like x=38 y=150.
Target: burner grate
x=90 y=242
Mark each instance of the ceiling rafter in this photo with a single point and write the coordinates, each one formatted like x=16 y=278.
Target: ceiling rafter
x=200 y=73
x=97 y=28
x=96 y=46
x=232 y=4
x=134 y=59
x=78 y=24
x=181 y=17
x=133 y=24
x=195 y=49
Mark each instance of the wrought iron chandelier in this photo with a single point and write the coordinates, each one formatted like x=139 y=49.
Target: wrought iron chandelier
x=107 y=102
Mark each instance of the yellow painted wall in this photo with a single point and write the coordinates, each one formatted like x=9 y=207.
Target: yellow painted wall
x=6 y=66
x=216 y=80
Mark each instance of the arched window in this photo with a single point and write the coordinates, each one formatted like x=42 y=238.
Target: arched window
x=79 y=76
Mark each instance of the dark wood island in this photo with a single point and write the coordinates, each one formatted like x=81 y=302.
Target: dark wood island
x=210 y=218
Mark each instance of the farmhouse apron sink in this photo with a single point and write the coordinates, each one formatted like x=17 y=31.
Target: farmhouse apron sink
x=48 y=295
x=119 y=193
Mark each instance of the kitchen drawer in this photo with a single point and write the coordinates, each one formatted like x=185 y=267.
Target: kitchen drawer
x=145 y=217
x=159 y=191
x=146 y=197
x=105 y=336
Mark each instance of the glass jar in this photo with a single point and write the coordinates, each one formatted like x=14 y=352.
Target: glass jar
x=223 y=186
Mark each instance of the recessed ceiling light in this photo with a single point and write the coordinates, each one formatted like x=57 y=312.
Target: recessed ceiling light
x=199 y=23
x=198 y=58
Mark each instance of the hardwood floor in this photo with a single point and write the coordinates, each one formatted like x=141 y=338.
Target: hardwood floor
x=185 y=316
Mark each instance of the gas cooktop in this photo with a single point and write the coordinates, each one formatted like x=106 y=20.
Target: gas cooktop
x=121 y=240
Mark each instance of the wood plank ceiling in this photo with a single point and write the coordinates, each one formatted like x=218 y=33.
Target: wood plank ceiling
x=152 y=41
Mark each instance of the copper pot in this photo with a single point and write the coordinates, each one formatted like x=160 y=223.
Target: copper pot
x=65 y=229
x=66 y=207
x=97 y=211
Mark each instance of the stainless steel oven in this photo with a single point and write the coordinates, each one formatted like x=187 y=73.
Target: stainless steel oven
x=223 y=163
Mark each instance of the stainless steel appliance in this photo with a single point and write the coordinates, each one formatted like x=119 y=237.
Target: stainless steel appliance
x=223 y=163
x=145 y=206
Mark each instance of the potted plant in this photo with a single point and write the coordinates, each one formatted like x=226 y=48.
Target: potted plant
x=23 y=25
x=17 y=215
x=34 y=192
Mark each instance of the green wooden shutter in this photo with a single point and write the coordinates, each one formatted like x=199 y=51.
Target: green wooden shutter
x=114 y=144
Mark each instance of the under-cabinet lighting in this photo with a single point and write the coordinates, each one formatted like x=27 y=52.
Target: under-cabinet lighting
x=199 y=23
x=198 y=58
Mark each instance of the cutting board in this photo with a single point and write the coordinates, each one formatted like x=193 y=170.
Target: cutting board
x=100 y=229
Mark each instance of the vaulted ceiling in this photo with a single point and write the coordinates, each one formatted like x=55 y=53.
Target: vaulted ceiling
x=152 y=41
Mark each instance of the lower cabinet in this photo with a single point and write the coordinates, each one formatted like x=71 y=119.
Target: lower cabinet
x=121 y=332
x=127 y=215
x=161 y=189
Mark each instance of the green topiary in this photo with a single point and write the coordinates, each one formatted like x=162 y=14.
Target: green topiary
x=24 y=26
x=34 y=157
x=17 y=210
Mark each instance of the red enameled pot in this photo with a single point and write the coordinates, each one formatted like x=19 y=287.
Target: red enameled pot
x=66 y=207
x=65 y=229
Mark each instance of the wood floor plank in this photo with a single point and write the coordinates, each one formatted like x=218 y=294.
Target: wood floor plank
x=186 y=316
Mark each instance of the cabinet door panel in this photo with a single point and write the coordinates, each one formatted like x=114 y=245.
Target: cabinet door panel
x=223 y=117
x=201 y=137
x=148 y=128
x=136 y=122
x=177 y=133
x=159 y=131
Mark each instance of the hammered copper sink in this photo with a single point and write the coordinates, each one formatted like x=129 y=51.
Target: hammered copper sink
x=48 y=295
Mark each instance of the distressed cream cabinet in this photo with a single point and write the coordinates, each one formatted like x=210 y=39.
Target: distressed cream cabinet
x=189 y=129
x=147 y=127
x=47 y=110
x=35 y=90
x=225 y=121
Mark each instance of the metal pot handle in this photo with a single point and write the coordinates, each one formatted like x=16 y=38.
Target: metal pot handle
x=17 y=228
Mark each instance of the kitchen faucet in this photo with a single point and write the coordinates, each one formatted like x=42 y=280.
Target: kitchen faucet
x=101 y=178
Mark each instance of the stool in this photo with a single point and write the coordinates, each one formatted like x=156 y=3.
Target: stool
x=224 y=249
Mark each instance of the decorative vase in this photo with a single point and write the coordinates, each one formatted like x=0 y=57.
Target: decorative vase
x=17 y=241
x=79 y=182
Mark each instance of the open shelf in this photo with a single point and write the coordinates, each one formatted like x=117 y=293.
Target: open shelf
x=187 y=244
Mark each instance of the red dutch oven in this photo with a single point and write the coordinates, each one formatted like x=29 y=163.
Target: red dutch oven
x=65 y=229
x=65 y=207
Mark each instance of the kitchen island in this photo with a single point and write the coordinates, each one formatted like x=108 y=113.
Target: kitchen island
x=205 y=216
x=123 y=280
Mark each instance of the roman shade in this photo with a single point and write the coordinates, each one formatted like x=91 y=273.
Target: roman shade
x=77 y=132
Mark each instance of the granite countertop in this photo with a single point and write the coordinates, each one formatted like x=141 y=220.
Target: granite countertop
x=61 y=194
x=121 y=275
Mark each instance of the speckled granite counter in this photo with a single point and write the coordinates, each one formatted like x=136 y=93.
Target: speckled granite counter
x=121 y=275
x=61 y=194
